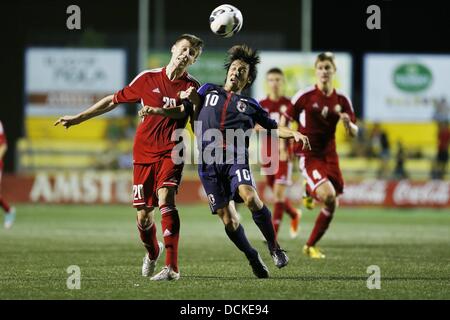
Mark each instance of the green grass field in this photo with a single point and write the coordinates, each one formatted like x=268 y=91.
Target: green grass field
x=411 y=247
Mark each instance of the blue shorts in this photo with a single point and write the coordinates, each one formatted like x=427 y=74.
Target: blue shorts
x=221 y=182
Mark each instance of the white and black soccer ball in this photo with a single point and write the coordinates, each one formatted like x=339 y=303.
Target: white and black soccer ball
x=226 y=20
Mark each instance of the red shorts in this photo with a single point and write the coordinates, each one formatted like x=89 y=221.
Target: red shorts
x=148 y=178
x=317 y=170
x=283 y=175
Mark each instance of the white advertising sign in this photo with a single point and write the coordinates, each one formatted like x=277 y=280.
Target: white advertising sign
x=68 y=80
x=406 y=87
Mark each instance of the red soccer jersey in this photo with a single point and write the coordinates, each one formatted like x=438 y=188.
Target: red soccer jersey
x=275 y=110
x=317 y=118
x=153 y=134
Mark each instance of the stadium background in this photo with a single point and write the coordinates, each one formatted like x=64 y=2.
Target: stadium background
x=91 y=164
x=37 y=147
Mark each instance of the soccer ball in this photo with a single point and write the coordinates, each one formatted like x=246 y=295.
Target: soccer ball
x=226 y=20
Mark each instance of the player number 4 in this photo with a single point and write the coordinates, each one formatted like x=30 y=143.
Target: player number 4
x=138 y=191
x=316 y=175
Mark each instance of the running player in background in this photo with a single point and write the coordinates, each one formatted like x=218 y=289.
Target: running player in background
x=156 y=176
x=318 y=110
x=10 y=212
x=226 y=176
x=275 y=104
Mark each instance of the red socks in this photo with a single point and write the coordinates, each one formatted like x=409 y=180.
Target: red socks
x=278 y=210
x=322 y=222
x=148 y=237
x=4 y=205
x=170 y=223
x=290 y=210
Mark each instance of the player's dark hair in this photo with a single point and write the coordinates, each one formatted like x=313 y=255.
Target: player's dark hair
x=276 y=71
x=325 y=56
x=195 y=41
x=248 y=55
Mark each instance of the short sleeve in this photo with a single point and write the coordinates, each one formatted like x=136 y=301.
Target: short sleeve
x=133 y=92
x=262 y=117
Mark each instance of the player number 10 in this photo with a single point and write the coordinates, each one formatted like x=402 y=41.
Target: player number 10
x=211 y=100
x=245 y=175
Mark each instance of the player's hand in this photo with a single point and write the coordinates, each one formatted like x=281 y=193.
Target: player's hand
x=188 y=94
x=147 y=110
x=345 y=119
x=304 y=139
x=68 y=121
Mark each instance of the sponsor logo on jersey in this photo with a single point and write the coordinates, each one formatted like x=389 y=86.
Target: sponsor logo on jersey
x=241 y=106
x=156 y=90
x=315 y=105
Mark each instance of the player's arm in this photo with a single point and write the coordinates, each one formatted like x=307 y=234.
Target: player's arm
x=286 y=133
x=347 y=116
x=3 y=149
x=177 y=112
x=263 y=119
x=103 y=106
x=350 y=127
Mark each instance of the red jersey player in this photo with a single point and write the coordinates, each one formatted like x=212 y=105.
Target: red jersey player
x=318 y=110
x=275 y=104
x=10 y=212
x=156 y=176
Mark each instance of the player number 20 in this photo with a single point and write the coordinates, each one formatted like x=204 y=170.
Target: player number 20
x=245 y=174
x=169 y=102
x=138 y=191
x=211 y=100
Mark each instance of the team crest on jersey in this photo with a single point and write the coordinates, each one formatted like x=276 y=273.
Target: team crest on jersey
x=211 y=199
x=241 y=106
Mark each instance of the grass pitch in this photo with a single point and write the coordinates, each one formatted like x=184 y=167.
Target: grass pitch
x=411 y=247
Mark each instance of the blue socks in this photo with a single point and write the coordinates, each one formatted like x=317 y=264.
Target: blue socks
x=240 y=240
x=263 y=219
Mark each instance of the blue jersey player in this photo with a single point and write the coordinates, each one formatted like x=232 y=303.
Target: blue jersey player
x=224 y=118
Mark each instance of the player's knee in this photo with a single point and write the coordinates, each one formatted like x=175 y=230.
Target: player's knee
x=166 y=196
x=231 y=223
x=145 y=216
x=252 y=200
x=330 y=200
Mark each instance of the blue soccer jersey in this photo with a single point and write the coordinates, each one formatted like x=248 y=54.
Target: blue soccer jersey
x=231 y=114
x=224 y=126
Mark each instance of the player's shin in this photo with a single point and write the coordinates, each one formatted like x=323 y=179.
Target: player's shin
x=322 y=222
x=148 y=238
x=170 y=222
x=240 y=240
x=263 y=219
x=278 y=215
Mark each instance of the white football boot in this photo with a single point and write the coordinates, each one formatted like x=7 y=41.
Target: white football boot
x=166 y=273
x=148 y=266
